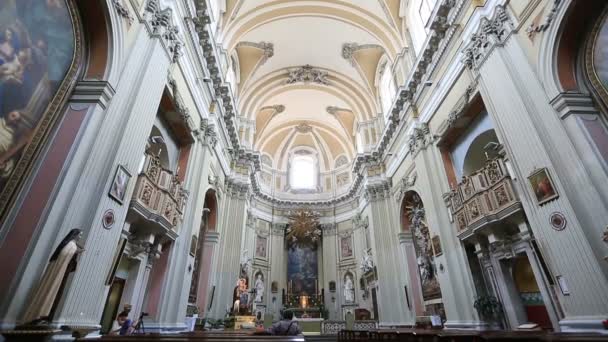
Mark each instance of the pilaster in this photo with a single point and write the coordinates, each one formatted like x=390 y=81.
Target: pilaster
x=389 y=265
x=229 y=249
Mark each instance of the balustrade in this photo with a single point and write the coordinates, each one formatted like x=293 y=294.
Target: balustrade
x=159 y=196
x=486 y=195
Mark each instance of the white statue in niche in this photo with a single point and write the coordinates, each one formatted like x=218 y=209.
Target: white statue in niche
x=367 y=263
x=349 y=289
x=259 y=289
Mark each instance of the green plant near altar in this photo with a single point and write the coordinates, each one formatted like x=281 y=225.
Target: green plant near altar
x=489 y=308
x=229 y=322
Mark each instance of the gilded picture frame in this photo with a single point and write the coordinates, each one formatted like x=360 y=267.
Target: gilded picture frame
x=542 y=186
x=598 y=38
x=40 y=133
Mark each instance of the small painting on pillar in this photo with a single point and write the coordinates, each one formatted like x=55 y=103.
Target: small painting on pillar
x=193 y=244
x=437 y=245
x=120 y=183
x=543 y=186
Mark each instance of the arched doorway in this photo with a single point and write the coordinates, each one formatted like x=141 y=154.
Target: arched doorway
x=198 y=296
x=421 y=264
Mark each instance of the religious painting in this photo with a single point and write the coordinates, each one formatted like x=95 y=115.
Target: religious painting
x=40 y=45
x=542 y=185
x=596 y=57
x=260 y=247
x=118 y=189
x=436 y=245
x=193 y=244
x=302 y=271
x=274 y=287
x=346 y=247
x=332 y=286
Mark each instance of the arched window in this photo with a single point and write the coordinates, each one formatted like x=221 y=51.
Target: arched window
x=387 y=89
x=303 y=173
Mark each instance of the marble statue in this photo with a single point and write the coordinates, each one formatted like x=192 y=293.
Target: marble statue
x=367 y=263
x=259 y=289
x=245 y=263
x=349 y=289
x=242 y=295
x=61 y=263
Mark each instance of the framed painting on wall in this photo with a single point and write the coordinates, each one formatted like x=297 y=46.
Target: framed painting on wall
x=41 y=54
x=118 y=189
x=193 y=245
x=542 y=185
x=346 y=247
x=436 y=245
x=260 y=247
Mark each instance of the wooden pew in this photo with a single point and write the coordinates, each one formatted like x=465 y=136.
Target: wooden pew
x=201 y=336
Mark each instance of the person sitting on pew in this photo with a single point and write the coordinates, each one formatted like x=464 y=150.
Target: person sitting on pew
x=285 y=327
x=125 y=325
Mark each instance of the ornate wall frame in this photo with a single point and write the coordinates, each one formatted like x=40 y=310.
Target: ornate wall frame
x=599 y=90
x=54 y=110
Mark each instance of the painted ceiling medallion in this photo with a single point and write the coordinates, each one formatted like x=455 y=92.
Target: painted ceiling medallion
x=307 y=74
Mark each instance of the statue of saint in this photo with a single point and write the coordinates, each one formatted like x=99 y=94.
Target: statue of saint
x=242 y=296
x=259 y=289
x=349 y=289
x=61 y=263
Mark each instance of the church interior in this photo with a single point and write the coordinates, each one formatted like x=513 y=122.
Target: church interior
x=360 y=169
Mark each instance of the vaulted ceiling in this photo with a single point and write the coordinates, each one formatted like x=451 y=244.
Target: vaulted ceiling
x=307 y=70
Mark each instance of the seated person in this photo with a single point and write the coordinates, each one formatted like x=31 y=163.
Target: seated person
x=124 y=323
x=285 y=327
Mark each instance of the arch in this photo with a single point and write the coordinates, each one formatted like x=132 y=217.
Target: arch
x=211 y=204
x=561 y=44
x=159 y=148
x=476 y=155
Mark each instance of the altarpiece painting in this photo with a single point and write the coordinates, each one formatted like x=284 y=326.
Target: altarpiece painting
x=40 y=46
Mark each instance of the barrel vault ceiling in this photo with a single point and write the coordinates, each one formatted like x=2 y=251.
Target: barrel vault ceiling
x=306 y=71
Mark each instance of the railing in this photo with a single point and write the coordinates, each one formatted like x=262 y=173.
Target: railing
x=485 y=196
x=159 y=196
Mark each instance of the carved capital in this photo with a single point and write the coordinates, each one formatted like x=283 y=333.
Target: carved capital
x=420 y=138
x=491 y=32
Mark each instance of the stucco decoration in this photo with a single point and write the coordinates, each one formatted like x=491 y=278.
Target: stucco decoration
x=307 y=74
